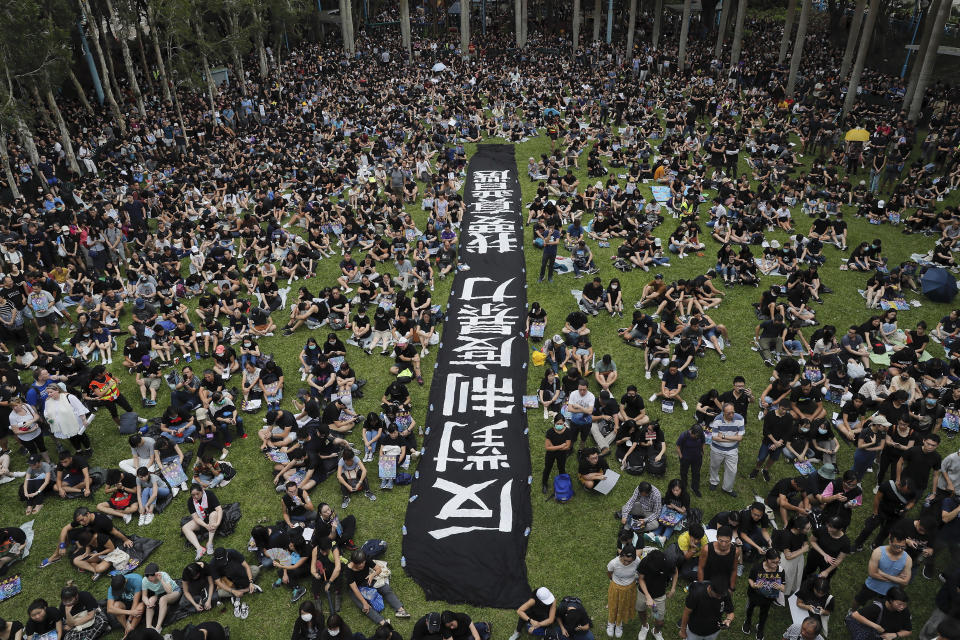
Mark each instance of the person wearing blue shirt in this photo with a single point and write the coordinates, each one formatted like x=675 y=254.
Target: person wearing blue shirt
x=124 y=600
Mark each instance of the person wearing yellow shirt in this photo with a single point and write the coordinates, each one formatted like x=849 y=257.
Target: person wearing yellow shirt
x=691 y=542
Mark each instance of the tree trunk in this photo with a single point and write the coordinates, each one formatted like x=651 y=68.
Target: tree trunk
x=575 y=31
x=929 y=60
x=128 y=60
x=104 y=32
x=64 y=132
x=787 y=30
x=657 y=22
x=722 y=30
x=851 y=97
x=921 y=54
x=350 y=32
x=855 y=21
x=405 y=28
x=79 y=88
x=524 y=21
x=738 y=34
x=517 y=22
x=631 y=29
x=104 y=69
x=147 y=74
x=235 y=53
x=7 y=169
x=798 y=47
x=29 y=144
x=158 y=54
x=41 y=108
x=684 y=32
x=465 y=30
x=597 y=16
x=207 y=75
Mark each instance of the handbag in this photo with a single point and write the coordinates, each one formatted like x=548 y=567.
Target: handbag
x=383 y=578
x=118 y=558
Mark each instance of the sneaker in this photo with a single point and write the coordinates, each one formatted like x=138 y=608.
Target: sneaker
x=746 y=627
x=610 y=626
x=647 y=375
x=244 y=610
x=753 y=474
x=128 y=517
x=515 y=636
x=236 y=607
x=657 y=635
x=644 y=630
x=731 y=493
x=142 y=521
x=371 y=496
x=298 y=592
x=345 y=503
x=765 y=474
x=740 y=573
x=683 y=405
x=618 y=631
x=209 y=549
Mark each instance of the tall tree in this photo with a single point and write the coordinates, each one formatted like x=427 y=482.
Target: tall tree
x=722 y=30
x=855 y=21
x=921 y=53
x=597 y=18
x=154 y=27
x=930 y=60
x=798 y=47
x=405 y=27
x=787 y=30
x=104 y=68
x=465 y=29
x=657 y=22
x=684 y=32
x=122 y=19
x=577 y=23
x=631 y=28
x=738 y=34
x=851 y=97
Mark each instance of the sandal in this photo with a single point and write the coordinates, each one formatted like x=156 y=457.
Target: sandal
x=402 y=613
x=46 y=562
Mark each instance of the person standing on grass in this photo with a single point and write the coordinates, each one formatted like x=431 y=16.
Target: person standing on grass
x=690 y=452
x=890 y=566
x=778 y=428
x=653 y=575
x=766 y=580
x=548 y=259
x=622 y=594
x=557 y=444
x=707 y=611
x=728 y=430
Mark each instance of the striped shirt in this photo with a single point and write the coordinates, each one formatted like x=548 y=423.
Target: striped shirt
x=736 y=426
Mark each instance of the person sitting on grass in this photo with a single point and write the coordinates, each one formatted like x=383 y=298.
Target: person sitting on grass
x=671 y=385
x=84 y=520
x=592 y=468
x=205 y=517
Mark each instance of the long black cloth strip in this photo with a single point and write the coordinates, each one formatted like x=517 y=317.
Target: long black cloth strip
x=469 y=516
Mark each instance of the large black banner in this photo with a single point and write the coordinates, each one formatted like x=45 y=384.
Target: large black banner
x=465 y=538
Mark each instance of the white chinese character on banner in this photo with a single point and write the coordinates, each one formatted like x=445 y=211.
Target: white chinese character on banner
x=491 y=176
x=499 y=294
x=486 y=450
x=490 y=185
x=492 y=194
x=491 y=206
x=470 y=495
x=487 y=319
x=497 y=243
x=480 y=393
x=480 y=352
x=491 y=225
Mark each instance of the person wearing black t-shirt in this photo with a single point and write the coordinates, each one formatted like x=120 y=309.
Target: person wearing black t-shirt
x=767 y=583
x=43 y=619
x=558 y=442
x=829 y=545
x=893 y=499
x=81 y=614
x=84 y=519
x=654 y=573
x=778 y=427
x=592 y=468
x=891 y=616
x=707 y=610
x=361 y=571
x=917 y=462
x=538 y=612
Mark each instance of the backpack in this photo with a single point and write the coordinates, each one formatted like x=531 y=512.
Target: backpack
x=571 y=602
x=563 y=487
x=374 y=548
x=432 y=621
x=403 y=478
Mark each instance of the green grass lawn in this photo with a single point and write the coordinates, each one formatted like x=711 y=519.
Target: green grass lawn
x=570 y=544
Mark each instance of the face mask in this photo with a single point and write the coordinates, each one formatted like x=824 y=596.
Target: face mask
x=931 y=401
x=333 y=632
x=803 y=430
x=306 y=617
x=821 y=431
x=559 y=427
x=313 y=346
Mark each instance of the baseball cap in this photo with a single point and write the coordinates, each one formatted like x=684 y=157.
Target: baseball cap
x=219 y=554
x=402 y=341
x=545 y=596
x=151 y=569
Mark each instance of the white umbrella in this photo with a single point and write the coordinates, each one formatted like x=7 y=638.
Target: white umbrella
x=439 y=67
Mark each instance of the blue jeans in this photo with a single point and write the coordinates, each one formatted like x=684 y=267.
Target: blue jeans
x=162 y=492
x=187 y=433
x=370 y=434
x=861 y=460
x=211 y=480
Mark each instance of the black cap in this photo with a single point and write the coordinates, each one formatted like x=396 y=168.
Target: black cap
x=219 y=554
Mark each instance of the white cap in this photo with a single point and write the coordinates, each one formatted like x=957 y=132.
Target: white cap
x=545 y=596
x=881 y=204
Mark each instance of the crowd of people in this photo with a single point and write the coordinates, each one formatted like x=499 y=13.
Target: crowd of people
x=189 y=244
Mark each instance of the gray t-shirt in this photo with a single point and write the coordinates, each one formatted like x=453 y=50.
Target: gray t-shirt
x=145 y=451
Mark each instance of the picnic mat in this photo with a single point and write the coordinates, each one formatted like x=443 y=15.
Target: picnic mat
x=660 y=193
